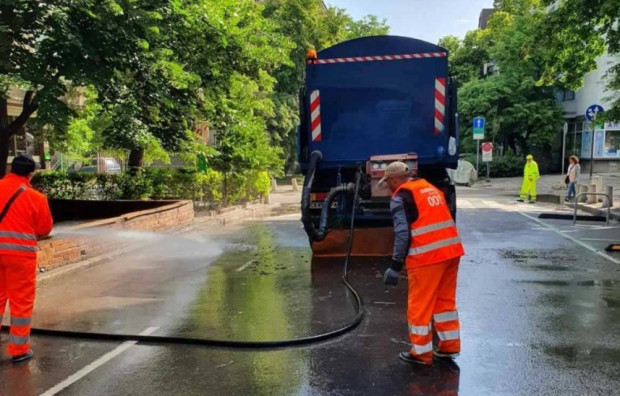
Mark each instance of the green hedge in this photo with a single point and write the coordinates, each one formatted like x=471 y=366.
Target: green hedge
x=507 y=166
x=212 y=188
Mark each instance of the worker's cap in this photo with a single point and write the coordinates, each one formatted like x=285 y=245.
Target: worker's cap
x=395 y=169
x=24 y=165
x=529 y=157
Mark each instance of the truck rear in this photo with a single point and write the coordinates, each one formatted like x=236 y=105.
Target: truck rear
x=366 y=103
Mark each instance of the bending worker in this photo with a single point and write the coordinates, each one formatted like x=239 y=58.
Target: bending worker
x=530 y=178
x=427 y=242
x=24 y=219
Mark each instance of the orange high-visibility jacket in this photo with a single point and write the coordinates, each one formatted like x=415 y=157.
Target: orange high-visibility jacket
x=27 y=220
x=434 y=237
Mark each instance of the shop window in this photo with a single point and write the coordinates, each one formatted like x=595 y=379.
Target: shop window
x=612 y=144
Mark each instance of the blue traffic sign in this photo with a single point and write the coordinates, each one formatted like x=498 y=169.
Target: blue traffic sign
x=478 y=128
x=593 y=111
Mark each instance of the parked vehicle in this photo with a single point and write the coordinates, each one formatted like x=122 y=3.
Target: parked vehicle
x=106 y=165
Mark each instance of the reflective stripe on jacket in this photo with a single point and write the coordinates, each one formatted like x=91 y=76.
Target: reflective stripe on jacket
x=434 y=237
x=27 y=220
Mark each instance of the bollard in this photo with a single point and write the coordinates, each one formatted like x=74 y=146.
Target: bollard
x=294 y=183
x=592 y=199
x=598 y=182
x=274 y=185
x=610 y=194
x=581 y=188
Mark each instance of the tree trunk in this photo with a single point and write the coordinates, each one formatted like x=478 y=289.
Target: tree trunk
x=7 y=130
x=5 y=138
x=136 y=161
x=4 y=151
x=225 y=195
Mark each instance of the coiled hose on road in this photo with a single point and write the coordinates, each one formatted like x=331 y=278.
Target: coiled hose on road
x=154 y=340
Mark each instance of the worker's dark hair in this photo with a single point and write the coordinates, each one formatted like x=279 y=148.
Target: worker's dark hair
x=23 y=165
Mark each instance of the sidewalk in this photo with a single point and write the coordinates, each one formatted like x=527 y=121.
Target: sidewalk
x=551 y=188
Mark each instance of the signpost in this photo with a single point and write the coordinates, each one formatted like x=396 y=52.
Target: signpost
x=564 y=132
x=487 y=155
x=478 y=136
x=591 y=113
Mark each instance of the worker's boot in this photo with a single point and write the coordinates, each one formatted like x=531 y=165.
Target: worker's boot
x=24 y=357
x=444 y=355
x=407 y=357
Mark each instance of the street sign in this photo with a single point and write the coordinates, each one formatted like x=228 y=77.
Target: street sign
x=593 y=111
x=478 y=128
x=487 y=152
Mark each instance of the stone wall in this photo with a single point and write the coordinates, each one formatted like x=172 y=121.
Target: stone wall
x=95 y=238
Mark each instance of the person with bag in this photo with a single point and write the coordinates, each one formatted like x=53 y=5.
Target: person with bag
x=25 y=218
x=572 y=176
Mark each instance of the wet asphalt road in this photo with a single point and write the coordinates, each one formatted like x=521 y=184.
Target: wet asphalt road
x=540 y=314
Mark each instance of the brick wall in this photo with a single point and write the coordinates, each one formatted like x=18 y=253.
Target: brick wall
x=89 y=240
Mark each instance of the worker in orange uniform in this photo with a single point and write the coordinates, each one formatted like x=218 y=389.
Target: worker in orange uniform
x=427 y=242
x=24 y=219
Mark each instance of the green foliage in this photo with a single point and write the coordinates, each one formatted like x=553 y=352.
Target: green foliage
x=521 y=113
x=508 y=165
x=156 y=184
x=574 y=34
x=149 y=70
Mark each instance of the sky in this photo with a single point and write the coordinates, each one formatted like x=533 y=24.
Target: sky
x=428 y=20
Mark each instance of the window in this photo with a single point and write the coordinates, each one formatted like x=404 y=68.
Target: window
x=612 y=144
x=568 y=95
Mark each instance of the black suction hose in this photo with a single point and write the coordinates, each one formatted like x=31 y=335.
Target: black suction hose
x=156 y=340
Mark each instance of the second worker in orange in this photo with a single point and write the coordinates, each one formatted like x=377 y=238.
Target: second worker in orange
x=427 y=243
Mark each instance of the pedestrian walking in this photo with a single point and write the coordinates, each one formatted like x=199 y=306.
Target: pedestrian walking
x=427 y=243
x=24 y=219
x=572 y=175
x=530 y=178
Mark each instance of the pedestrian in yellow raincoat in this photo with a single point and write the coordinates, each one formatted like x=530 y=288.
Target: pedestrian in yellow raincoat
x=530 y=177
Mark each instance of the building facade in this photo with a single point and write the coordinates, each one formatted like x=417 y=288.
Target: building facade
x=578 y=131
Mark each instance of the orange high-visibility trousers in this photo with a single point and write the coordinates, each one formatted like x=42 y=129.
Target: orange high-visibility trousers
x=17 y=285
x=432 y=300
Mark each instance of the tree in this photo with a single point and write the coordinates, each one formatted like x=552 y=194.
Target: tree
x=521 y=114
x=577 y=32
x=49 y=48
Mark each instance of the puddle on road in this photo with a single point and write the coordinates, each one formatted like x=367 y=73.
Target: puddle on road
x=582 y=353
x=542 y=260
x=603 y=284
x=265 y=291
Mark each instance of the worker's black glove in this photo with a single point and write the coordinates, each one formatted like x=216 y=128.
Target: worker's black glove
x=391 y=277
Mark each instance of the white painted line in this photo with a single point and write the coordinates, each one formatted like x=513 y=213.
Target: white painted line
x=493 y=204
x=244 y=266
x=95 y=365
x=600 y=240
x=570 y=238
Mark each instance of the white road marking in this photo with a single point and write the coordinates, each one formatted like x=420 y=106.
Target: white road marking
x=570 y=238
x=464 y=203
x=600 y=240
x=493 y=204
x=244 y=266
x=95 y=365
